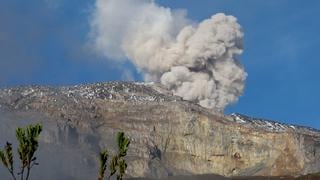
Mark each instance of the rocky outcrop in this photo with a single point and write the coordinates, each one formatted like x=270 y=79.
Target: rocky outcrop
x=169 y=136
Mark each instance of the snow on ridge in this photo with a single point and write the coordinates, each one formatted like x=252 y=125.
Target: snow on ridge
x=239 y=120
x=144 y=83
x=111 y=91
x=262 y=123
x=270 y=125
x=139 y=92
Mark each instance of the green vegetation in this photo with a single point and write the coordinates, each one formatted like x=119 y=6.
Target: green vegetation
x=7 y=158
x=28 y=145
x=117 y=164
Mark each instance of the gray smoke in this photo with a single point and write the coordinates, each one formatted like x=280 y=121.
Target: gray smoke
x=197 y=61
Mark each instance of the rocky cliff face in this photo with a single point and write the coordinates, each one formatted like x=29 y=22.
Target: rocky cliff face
x=169 y=136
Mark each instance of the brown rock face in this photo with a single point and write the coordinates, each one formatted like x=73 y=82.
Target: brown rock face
x=169 y=136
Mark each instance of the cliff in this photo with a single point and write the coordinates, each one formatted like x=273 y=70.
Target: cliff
x=169 y=136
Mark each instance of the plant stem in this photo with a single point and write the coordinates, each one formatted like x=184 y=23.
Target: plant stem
x=21 y=174
x=28 y=173
x=12 y=174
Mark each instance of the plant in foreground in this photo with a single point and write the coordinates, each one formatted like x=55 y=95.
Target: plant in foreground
x=28 y=145
x=117 y=164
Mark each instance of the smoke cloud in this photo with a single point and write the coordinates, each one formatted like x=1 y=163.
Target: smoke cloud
x=197 y=61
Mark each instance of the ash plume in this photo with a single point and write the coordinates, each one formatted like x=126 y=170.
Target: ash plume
x=197 y=61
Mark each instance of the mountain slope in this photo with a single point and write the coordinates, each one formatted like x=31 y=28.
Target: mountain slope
x=169 y=136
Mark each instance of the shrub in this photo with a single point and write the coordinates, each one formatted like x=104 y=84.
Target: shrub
x=28 y=145
x=117 y=164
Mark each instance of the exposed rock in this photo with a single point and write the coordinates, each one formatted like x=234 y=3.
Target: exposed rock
x=169 y=136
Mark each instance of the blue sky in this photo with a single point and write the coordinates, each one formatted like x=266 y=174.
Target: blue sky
x=44 y=42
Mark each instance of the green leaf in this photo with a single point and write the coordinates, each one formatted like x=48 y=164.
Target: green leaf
x=117 y=165
x=22 y=148
x=123 y=144
x=122 y=167
x=3 y=158
x=9 y=155
x=103 y=163
x=113 y=165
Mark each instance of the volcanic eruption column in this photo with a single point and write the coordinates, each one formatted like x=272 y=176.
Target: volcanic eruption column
x=197 y=61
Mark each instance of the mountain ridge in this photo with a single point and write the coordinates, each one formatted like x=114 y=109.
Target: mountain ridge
x=82 y=88
x=170 y=136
